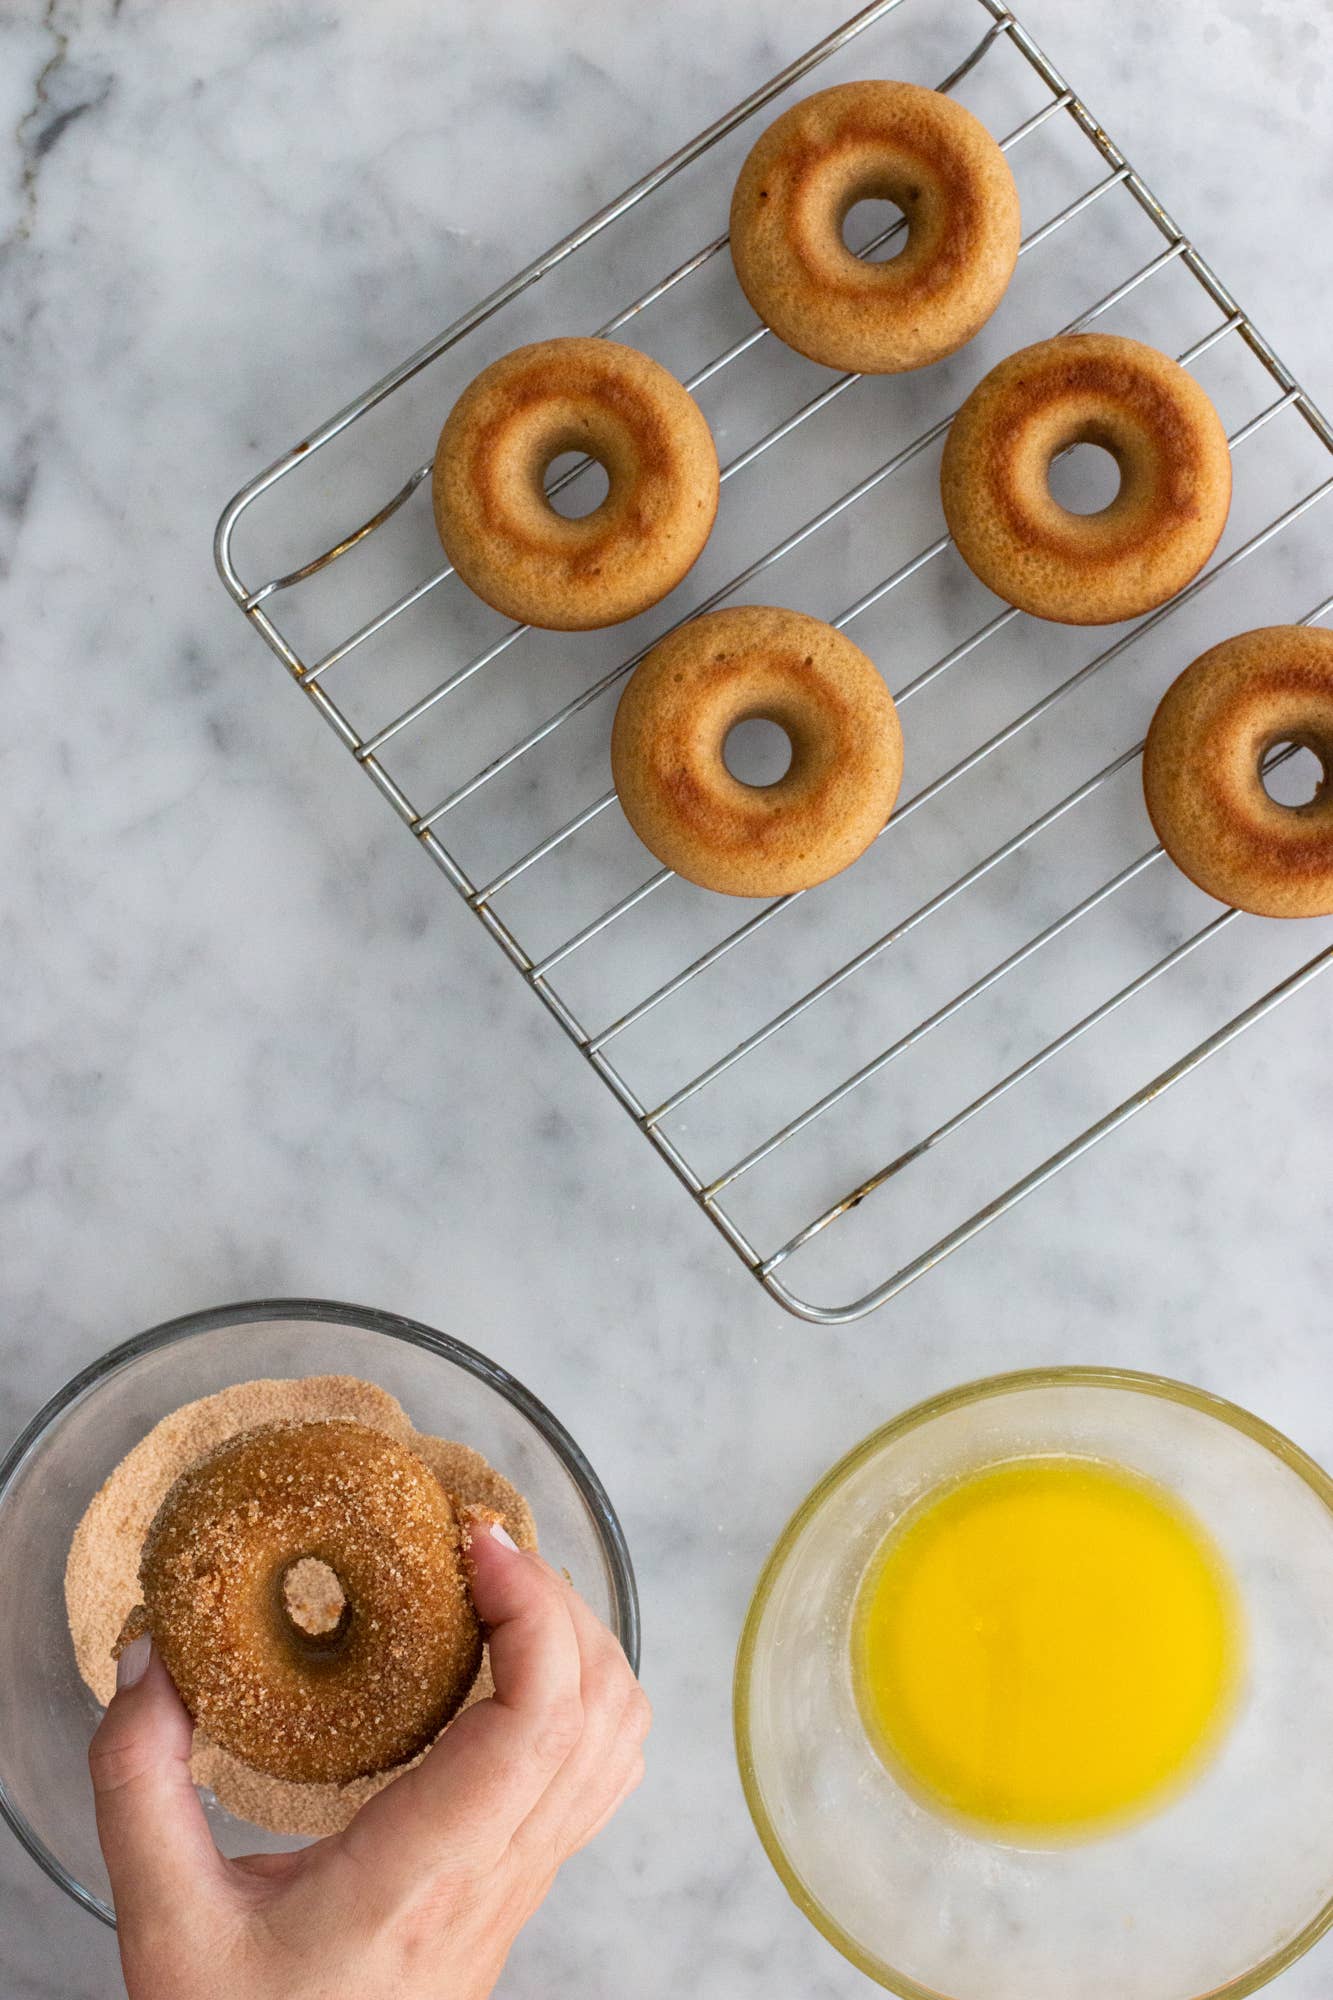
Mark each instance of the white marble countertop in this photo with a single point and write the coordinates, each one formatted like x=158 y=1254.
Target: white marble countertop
x=252 y=1046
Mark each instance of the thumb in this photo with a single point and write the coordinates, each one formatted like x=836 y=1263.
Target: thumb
x=151 y=1826
x=479 y=1782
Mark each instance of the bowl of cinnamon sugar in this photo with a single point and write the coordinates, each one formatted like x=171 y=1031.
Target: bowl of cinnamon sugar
x=81 y=1485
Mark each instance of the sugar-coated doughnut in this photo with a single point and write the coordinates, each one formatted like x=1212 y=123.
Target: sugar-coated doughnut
x=1175 y=479
x=497 y=525
x=229 y=1562
x=732 y=666
x=884 y=142
x=1202 y=767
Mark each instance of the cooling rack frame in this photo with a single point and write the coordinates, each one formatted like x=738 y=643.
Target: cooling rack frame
x=593 y=1043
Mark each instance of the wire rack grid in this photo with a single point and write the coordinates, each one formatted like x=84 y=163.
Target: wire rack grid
x=600 y=1026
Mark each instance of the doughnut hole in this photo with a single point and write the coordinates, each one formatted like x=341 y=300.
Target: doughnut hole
x=580 y=496
x=1295 y=773
x=757 y=751
x=314 y=1602
x=867 y=222
x=1084 y=478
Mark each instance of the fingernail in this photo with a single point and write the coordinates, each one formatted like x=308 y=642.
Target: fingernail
x=133 y=1662
x=502 y=1535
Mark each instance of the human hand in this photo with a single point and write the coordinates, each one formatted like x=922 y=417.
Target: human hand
x=423 y=1894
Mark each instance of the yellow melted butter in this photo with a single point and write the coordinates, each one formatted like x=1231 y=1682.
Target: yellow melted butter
x=1047 y=1647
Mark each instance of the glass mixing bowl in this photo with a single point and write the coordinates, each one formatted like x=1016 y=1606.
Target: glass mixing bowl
x=47 y=1479
x=1223 y=1888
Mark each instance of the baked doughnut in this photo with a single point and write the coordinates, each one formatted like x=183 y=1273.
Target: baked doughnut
x=875 y=142
x=1175 y=479
x=732 y=666
x=1202 y=767
x=501 y=533
x=357 y=1690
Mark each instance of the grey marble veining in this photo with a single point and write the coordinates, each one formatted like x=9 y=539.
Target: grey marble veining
x=252 y=1046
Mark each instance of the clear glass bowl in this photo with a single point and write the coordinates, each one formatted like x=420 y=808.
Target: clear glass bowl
x=47 y=1479
x=1215 y=1894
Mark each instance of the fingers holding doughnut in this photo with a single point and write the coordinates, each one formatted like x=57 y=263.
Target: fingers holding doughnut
x=495 y=1764
x=607 y=1761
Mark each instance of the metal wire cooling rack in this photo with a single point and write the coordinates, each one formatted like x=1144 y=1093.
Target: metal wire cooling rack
x=658 y=971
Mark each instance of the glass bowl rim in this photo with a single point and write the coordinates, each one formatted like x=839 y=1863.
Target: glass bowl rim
x=369 y=1319
x=981 y=1390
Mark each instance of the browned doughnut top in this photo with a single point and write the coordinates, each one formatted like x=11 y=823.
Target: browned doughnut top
x=1175 y=478
x=498 y=527
x=376 y=1684
x=732 y=666
x=881 y=142
x=1202 y=762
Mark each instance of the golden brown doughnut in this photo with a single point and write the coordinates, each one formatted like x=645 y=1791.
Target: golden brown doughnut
x=1175 y=479
x=1202 y=762
x=369 y=1690
x=881 y=142
x=732 y=666
x=500 y=531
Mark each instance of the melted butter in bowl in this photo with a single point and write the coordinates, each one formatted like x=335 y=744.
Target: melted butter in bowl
x=1047 y=1648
